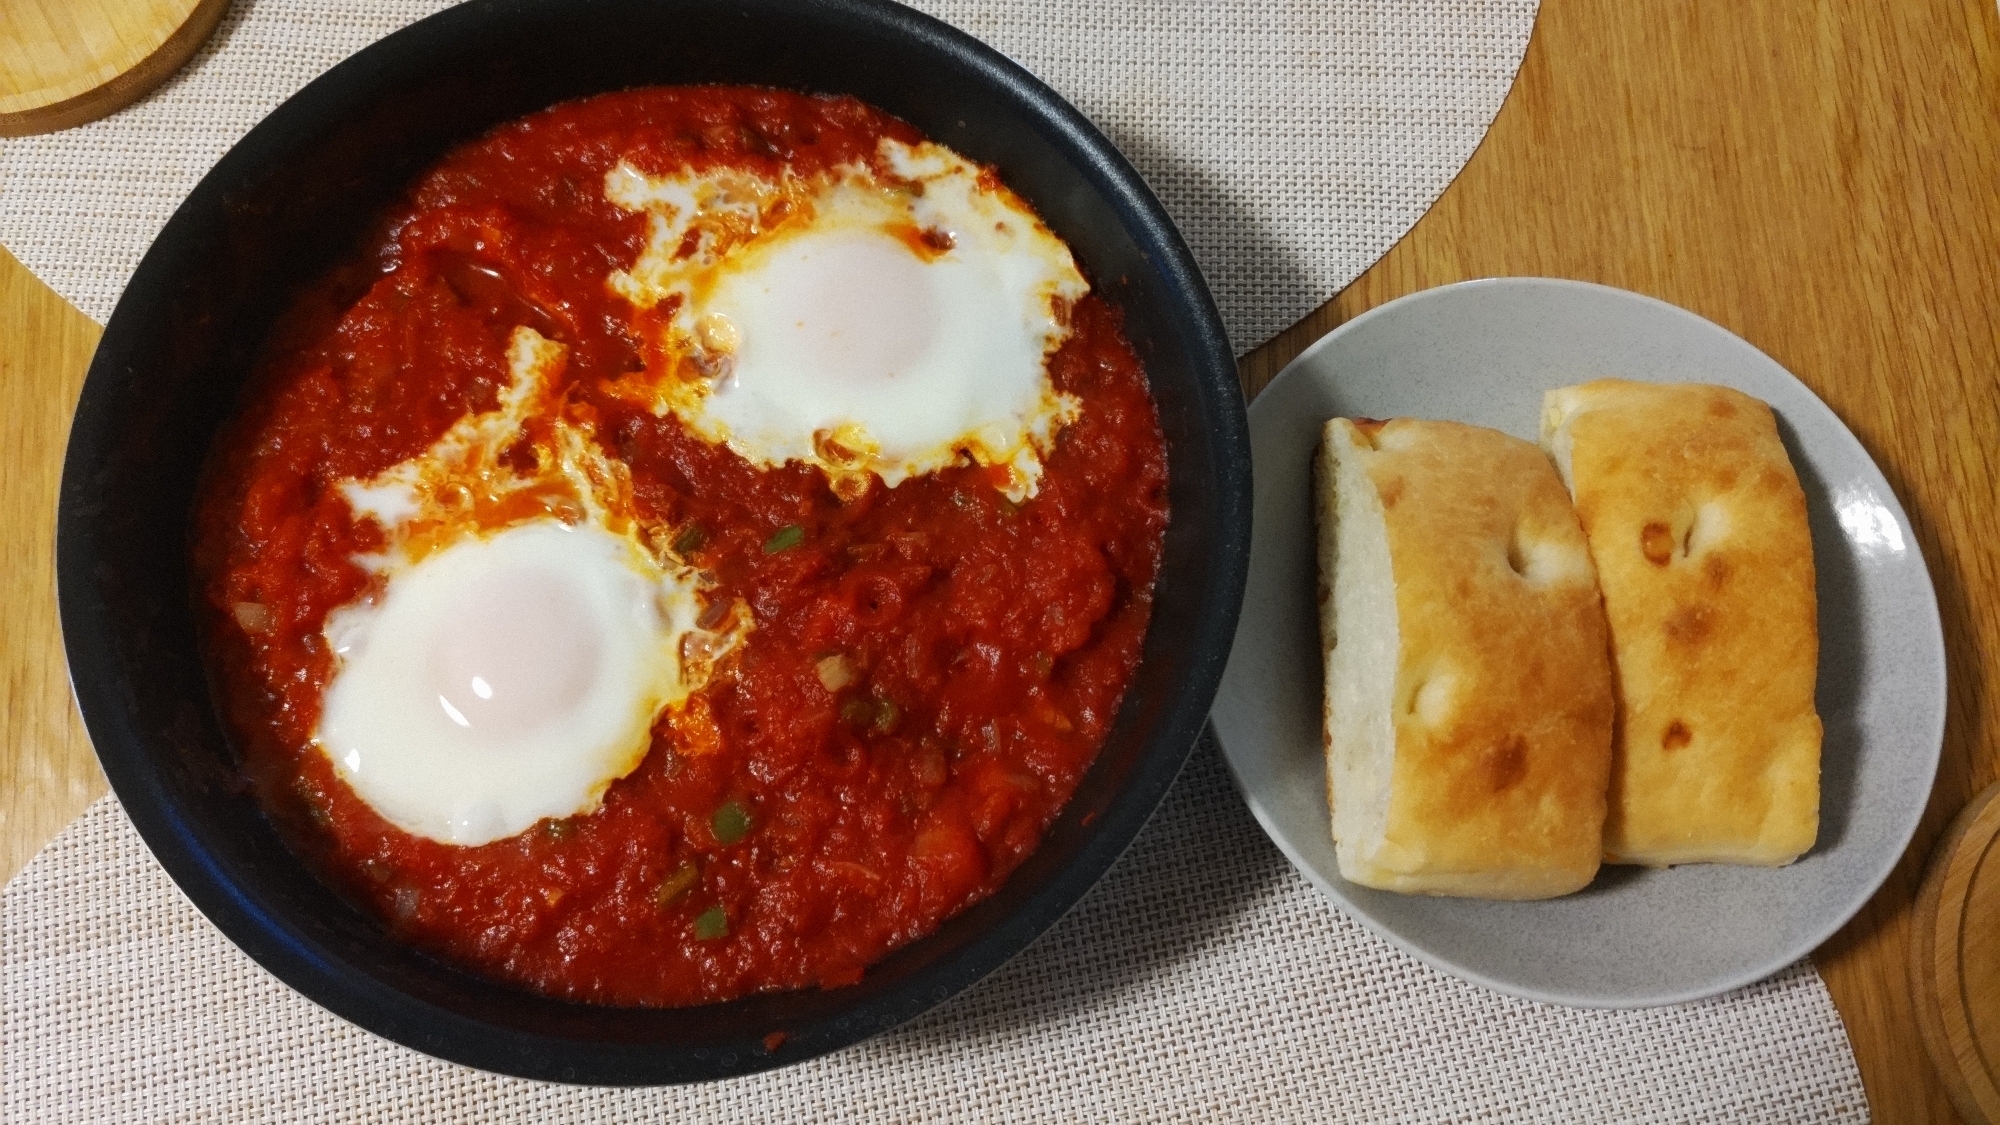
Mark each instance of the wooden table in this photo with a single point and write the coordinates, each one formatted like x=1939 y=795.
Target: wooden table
x=1822 y=179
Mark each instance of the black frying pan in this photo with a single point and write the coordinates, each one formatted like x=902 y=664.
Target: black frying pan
x=294 y=195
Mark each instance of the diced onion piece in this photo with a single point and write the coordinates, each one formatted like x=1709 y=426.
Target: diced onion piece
x=835 y=672
x=254 y=617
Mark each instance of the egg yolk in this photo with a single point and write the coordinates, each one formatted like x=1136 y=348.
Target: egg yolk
x=856 y=307
x=523 y=655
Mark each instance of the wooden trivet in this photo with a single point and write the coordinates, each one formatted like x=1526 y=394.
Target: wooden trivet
x=65 y=62
x=1955 y=959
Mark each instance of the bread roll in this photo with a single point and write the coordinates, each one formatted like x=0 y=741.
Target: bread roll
x=1468 y=688
x=1698 y=528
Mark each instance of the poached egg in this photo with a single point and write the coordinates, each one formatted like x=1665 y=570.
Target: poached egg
x=888 y=319
x=526 y=633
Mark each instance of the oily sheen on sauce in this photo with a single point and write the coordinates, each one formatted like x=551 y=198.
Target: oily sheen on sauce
x=926 y=670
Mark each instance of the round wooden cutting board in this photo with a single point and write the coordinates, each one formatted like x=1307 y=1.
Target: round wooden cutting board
x=1955 y=959
x=65 y=62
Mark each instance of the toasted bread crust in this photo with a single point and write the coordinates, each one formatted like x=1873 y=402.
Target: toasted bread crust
x=1697 y=525
x=1502 y=705
x=1325 y=529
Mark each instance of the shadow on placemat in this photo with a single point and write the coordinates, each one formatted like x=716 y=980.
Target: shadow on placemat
x=1210 y=213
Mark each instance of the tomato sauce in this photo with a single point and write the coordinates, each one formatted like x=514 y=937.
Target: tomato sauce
x=932 y=667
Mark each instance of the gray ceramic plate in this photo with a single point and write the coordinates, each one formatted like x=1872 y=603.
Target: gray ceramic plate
x=1483 y=352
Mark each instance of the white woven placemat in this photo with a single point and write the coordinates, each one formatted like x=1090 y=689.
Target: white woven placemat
x=1202 y=981
x=1293 y=141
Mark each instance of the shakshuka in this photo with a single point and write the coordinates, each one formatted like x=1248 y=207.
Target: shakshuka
x=694 y=547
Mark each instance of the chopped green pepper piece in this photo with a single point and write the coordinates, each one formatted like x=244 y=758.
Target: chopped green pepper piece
x=711 y=924
x=690 y=541
x=787 y=537
x=888 y=716
x=857 y=712
x=676 y=885
x=731 y=822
